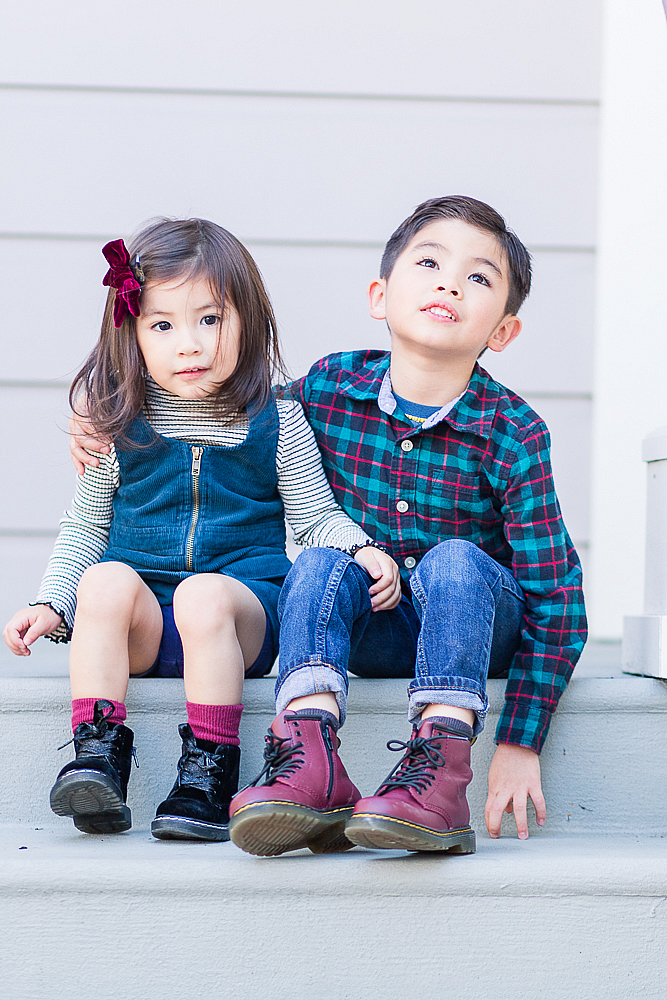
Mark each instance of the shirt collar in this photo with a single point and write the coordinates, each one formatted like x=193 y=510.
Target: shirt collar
x=473 y=413
x=367 y=381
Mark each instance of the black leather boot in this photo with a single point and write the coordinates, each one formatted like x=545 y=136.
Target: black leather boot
x=92 y=789
x=197 y=807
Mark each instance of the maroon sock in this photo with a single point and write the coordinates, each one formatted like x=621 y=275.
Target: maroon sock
x=215 y=723
x=84 y=708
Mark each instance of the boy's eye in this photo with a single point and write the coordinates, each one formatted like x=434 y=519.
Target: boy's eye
x=210 y=320
x=162 y=326
x=428 y=262
x=481 y=279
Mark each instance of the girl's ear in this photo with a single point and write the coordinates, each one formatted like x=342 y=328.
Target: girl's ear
x=502 y=337
x=376 y=298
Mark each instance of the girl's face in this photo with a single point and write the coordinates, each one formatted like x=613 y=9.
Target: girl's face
x=188 y=347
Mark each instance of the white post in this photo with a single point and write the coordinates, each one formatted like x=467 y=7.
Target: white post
x=631 y=336
x=645 y=636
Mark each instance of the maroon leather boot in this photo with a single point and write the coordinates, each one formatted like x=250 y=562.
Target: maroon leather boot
x=422 y=805
x=306 y=796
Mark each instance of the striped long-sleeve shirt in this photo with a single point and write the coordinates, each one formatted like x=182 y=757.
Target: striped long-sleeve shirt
x=310 y=507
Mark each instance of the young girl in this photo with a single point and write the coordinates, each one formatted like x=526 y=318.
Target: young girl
x=174 y=551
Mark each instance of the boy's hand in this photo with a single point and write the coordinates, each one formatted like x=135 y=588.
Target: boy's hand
x=386 y=592
x=81 y=437
x=27 y=625
x=514 y=775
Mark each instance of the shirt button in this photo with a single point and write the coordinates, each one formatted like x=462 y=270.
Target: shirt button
x=410 y=562
x=402 y=506
x=407 y=445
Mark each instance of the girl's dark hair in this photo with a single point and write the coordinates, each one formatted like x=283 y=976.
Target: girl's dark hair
x=110 y=388
x=477 y=214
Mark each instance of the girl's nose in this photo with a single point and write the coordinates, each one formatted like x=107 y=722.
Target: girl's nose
x=189 y=343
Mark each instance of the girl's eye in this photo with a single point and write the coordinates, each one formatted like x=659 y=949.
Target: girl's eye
x=481 y=279
x=162 y=326
x=210 y=320
x=428 y=262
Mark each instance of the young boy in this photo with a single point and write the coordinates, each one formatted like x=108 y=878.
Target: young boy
x=450 y=473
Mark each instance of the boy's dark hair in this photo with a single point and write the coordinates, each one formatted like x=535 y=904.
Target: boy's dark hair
x=477 y=214
x=111 y=384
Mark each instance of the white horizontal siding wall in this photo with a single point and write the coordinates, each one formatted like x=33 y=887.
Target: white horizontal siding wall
x=310 y=132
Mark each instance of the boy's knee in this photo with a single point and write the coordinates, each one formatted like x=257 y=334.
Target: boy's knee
x=314 y=567
x=320 y=571
x=452 y=560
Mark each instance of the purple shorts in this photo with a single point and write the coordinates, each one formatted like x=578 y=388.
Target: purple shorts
x=169 y=662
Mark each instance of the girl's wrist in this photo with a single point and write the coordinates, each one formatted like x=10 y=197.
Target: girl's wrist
x=370 y=544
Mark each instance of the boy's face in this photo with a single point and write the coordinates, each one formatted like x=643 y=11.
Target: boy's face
x=446 y=295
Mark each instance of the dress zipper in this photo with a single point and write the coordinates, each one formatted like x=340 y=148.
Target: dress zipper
x=197 y=453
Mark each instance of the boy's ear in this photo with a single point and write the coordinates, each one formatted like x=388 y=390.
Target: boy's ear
x=376 y=298
x=502 y=336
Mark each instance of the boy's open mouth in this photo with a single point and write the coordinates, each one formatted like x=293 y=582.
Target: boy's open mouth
x=438 y=311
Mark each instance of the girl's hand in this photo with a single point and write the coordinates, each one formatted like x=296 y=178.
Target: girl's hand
x=27 y=625
x=386 y=592
x=81 y=437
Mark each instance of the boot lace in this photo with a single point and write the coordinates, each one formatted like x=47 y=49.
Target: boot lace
x=280 y=760
x=416 y=769
x=95 y=731
x=92 y=730
x=197 y=767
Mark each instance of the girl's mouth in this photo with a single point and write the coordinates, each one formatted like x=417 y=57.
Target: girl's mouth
x=191 y=373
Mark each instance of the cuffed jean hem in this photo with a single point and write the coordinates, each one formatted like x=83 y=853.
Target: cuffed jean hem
x=311 y=678
x=456 y=696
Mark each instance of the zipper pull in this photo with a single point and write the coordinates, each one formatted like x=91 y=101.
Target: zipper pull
x=196 y=459
x=327 y=737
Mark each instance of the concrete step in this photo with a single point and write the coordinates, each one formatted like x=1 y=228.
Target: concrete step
x=557 y=916
x=603 y=767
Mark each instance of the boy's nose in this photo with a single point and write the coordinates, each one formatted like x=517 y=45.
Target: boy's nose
x=453 y=290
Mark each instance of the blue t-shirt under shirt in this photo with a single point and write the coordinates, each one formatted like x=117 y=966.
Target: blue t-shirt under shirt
x=416 y=412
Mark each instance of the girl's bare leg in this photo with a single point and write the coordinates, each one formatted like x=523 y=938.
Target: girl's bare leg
x=117 y=631
x=222 y=626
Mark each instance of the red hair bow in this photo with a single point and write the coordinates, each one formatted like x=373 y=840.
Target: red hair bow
x=121 y=277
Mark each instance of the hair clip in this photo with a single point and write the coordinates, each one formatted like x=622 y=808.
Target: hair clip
x=122 y=277
x=137 y=269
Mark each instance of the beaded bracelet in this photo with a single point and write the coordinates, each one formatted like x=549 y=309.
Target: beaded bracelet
x=366 y=545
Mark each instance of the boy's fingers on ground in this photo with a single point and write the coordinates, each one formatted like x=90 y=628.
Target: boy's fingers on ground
x=520 y=802
x=493 y=814
x=540 y=805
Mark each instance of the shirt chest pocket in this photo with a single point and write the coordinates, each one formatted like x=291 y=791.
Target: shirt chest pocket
x=453 y=496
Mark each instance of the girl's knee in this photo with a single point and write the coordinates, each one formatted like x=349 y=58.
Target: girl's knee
x=108 y=584
x=205 y=601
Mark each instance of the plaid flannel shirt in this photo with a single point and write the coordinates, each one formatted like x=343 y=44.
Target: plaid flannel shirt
x=480 y=472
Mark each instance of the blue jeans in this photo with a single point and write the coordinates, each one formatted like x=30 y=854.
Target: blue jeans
x=462 y=625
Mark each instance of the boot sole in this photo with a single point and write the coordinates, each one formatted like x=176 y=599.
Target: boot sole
x=271 y=828
x=181 y=828
x=93 y=800
x=386 y=834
